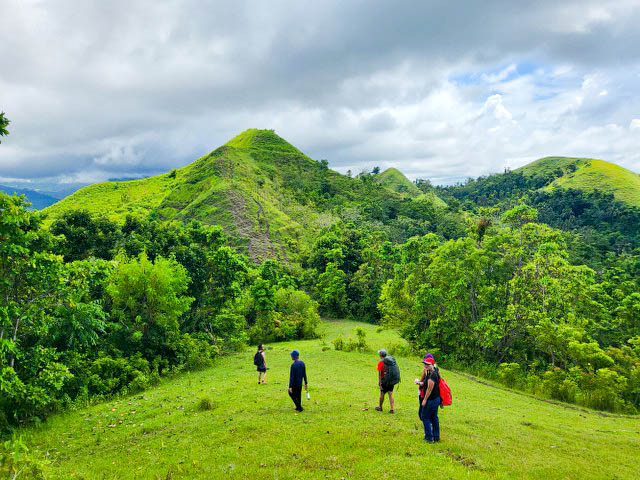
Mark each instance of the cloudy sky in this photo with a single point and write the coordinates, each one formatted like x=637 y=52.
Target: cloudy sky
x=441 y=90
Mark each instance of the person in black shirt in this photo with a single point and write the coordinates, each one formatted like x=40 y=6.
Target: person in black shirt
x=297 y=373
x=431 y=402
x=262 y=364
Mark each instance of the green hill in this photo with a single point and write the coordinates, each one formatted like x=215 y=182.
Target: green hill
x=252 y=431
x=395 y=181
x=588 y=175
x=256 y=187
x=269 y=197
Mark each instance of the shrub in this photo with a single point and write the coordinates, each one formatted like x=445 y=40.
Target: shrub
x=351 y=344
x=195 y=352
x=294 y=316
x=559 y=385
x=510 y=374
x=110 y=375
x=205 y=404
x=17 y=462
x=401 y=350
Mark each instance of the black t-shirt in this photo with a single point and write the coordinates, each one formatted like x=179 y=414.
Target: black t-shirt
x=435 y=392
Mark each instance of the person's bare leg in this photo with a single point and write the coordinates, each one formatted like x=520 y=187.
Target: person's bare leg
x=264 y=378
x=259 y=377
x=391 y=401
x=379 y=407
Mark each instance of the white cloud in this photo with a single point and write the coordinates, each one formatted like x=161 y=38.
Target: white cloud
x=138 y=87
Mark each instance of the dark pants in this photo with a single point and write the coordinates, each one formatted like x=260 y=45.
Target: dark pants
x=296 y=396
x=429 y=416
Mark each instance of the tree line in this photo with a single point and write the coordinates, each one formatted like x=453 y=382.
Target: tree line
x=91 y=308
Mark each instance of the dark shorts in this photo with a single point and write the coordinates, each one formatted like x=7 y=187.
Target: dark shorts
x=387 y=388
x=262 y=369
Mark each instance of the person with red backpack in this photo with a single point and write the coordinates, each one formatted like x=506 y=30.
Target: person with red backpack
x=430 y=399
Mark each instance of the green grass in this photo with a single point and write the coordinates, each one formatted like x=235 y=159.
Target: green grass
x=219 y=423
x=590 y=175
x=239 y=186
x=395 y=180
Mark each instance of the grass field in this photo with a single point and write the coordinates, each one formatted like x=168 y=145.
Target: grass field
x=590 y=175
x=253 y=432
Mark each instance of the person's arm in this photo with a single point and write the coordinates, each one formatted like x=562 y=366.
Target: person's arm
x=291 y=373
x=430 y=385
x=304 y=376
x=264 y=360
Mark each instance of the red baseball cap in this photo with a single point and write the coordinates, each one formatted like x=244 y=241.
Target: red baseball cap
x=429 y=360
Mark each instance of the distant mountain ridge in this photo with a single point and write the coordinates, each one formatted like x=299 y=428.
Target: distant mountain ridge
x=273 y=200
x=37 y=199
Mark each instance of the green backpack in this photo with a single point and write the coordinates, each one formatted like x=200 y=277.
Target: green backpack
x=391 y=372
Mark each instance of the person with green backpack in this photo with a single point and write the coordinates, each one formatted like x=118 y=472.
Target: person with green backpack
x=388 y=377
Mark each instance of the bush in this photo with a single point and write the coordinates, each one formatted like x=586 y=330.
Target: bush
x=111 y=375
x=559 y=385
x=401 y=350
x=294 y=317
x=17 y=462
x=510 y=374
x=195 y=352
x=358 y=344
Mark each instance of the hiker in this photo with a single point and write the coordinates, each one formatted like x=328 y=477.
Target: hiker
x=297 y=373
x=430 y=399
x=260 y=361
x=388 y=377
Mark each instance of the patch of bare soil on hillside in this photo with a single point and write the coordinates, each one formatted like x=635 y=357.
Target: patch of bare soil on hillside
x=260 y=245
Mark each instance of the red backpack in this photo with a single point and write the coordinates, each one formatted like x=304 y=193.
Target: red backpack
x=445 y=394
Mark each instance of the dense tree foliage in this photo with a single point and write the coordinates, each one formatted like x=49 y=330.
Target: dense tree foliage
x=514 y=300
x=92 y=308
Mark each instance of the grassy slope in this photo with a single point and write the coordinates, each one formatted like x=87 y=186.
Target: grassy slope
x=238 y=186
x=253 y=431
x=395 y=180
x=590 y=175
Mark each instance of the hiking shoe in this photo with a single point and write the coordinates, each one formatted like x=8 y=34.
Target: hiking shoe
x=378 y=409
x=299 y=409
x=392 y=411
x=428 y=441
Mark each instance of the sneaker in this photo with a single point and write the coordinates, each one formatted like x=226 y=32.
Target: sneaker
x=378 y=409
x=392 y=411
x=428 y=441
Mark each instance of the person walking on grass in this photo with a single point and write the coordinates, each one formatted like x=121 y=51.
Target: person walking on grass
x=388 y=377
x=260 y=361
x=430 y=400
x=297 y=374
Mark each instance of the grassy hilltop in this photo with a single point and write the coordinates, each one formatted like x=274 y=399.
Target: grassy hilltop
x=394 y=180
x=250 y=186
x=270 y=197
x=587 y=174
x=252 y=430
